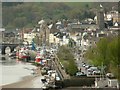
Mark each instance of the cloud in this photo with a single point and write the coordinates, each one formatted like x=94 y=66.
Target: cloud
x=59 y=0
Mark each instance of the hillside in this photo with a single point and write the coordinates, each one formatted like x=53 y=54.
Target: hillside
x=19 y=15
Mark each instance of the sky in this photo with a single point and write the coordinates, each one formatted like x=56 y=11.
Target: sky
x=60 y=0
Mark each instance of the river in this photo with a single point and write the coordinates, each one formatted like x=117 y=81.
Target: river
x=12 y=71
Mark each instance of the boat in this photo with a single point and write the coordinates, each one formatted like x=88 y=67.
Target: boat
x=22 y=54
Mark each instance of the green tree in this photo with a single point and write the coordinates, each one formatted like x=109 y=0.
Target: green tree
x=67 y=59
x=20 y=22
x=106 y=52
x=114 y=56
x=98 y=54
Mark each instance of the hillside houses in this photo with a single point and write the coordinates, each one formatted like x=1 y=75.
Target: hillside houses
x=84 y=32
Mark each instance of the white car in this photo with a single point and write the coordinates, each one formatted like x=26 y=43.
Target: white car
x=83 y=65
x=96 y=72
x=87 y=66
x=109 y=75
x=89 y=73
x=92 y=69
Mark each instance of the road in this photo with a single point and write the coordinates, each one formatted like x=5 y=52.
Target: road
x=80 y=65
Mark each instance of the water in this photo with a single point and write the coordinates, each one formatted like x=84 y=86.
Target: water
x=12 y=71
x=5 y=60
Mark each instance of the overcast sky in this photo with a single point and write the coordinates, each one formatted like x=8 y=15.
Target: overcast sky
x=60 y=0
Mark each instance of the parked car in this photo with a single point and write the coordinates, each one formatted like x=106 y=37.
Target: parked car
x=83 y=64
x=43 y=71
x=87 y=66
x=110 y=75
x=80 y=74
x=89 y=73
x=96 y=72
x=43 y=80
x=92 y=69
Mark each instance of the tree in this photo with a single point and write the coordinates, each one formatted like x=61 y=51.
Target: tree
x=87 y=6
x=20 y=22
x=114 y=56
x=67 y=59
x=33 y=12
x=11 y=3
x=106 y=52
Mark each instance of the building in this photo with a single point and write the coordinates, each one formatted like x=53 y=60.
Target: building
x=100 y=18
x=115 y=16
x=44 y=32
x=58 y=39
x=53 y=39
x=110 y=18
x=28 y=37
x=110 y=83
x=65 y=41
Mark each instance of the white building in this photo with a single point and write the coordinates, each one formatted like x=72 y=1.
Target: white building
x=28 y=37
x=53 y=39
x=65 y=40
